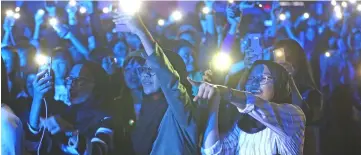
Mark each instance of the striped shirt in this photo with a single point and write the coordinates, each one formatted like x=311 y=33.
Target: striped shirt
x=284 y=132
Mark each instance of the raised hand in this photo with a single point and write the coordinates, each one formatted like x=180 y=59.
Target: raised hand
x=205 y=91
x=42 y=85
x=232 y=18
x=132 y=22
x=39 y=17
x=9 y=22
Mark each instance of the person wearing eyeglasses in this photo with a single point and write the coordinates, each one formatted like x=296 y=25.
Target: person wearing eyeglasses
x=167 y=122
x=267 y=122
x=85 y=126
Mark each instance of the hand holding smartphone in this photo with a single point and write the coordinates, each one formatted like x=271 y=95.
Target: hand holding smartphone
x=126 y=7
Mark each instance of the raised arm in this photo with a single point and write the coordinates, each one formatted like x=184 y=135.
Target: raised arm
x=8 y=26
x=64 y=32
x=284 y=119
x=175 y=93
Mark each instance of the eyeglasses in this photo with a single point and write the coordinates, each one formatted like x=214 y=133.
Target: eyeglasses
x=146 y=70
x=77 y=81
x=262 y=80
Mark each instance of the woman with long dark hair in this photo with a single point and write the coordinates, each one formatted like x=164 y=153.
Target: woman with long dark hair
x=267 y=123
x=291 y=55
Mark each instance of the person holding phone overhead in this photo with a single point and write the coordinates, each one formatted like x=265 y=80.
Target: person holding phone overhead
x=167 y=123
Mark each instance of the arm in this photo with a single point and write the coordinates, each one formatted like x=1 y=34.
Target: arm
x=344 y=29
x=284 y=119
x=211 y=134
x=8 y=26
x=174 y=91
x=34 y=117
x=5 y=40
x=65 y=33
x=78 y=45
x=291 y=34
x=36 y=31
x=210 y=22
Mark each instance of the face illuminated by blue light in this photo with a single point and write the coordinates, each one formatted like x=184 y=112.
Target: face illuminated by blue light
x=149 y=79
x=186 y=54
x=120 y=51
x=131 y=76
x=80 y=84
x=260 y=82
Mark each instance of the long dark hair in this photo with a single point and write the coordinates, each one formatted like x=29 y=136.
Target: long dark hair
x=282 y=90
x=295 y=55
x=92 y=111
x=101 y=79
x=282 y=95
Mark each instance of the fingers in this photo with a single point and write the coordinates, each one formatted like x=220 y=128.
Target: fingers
x=193 y=83
x=45 y=90
x=195 y=99
x=200 y=92
x=121 y=18
x=44 y=80
x=206 y=92
x=211 y=93
x=45 y=86
x=40 y=75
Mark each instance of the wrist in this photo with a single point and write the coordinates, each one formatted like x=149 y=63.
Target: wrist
x=37 y=99
x=37 y=25
x=232 y=29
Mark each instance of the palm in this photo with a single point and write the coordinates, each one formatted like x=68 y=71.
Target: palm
x=132 y=22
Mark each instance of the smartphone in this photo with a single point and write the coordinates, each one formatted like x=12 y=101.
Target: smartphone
x=279 y=55
x=44 y=63
x=115 y=11
x=255 y=41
